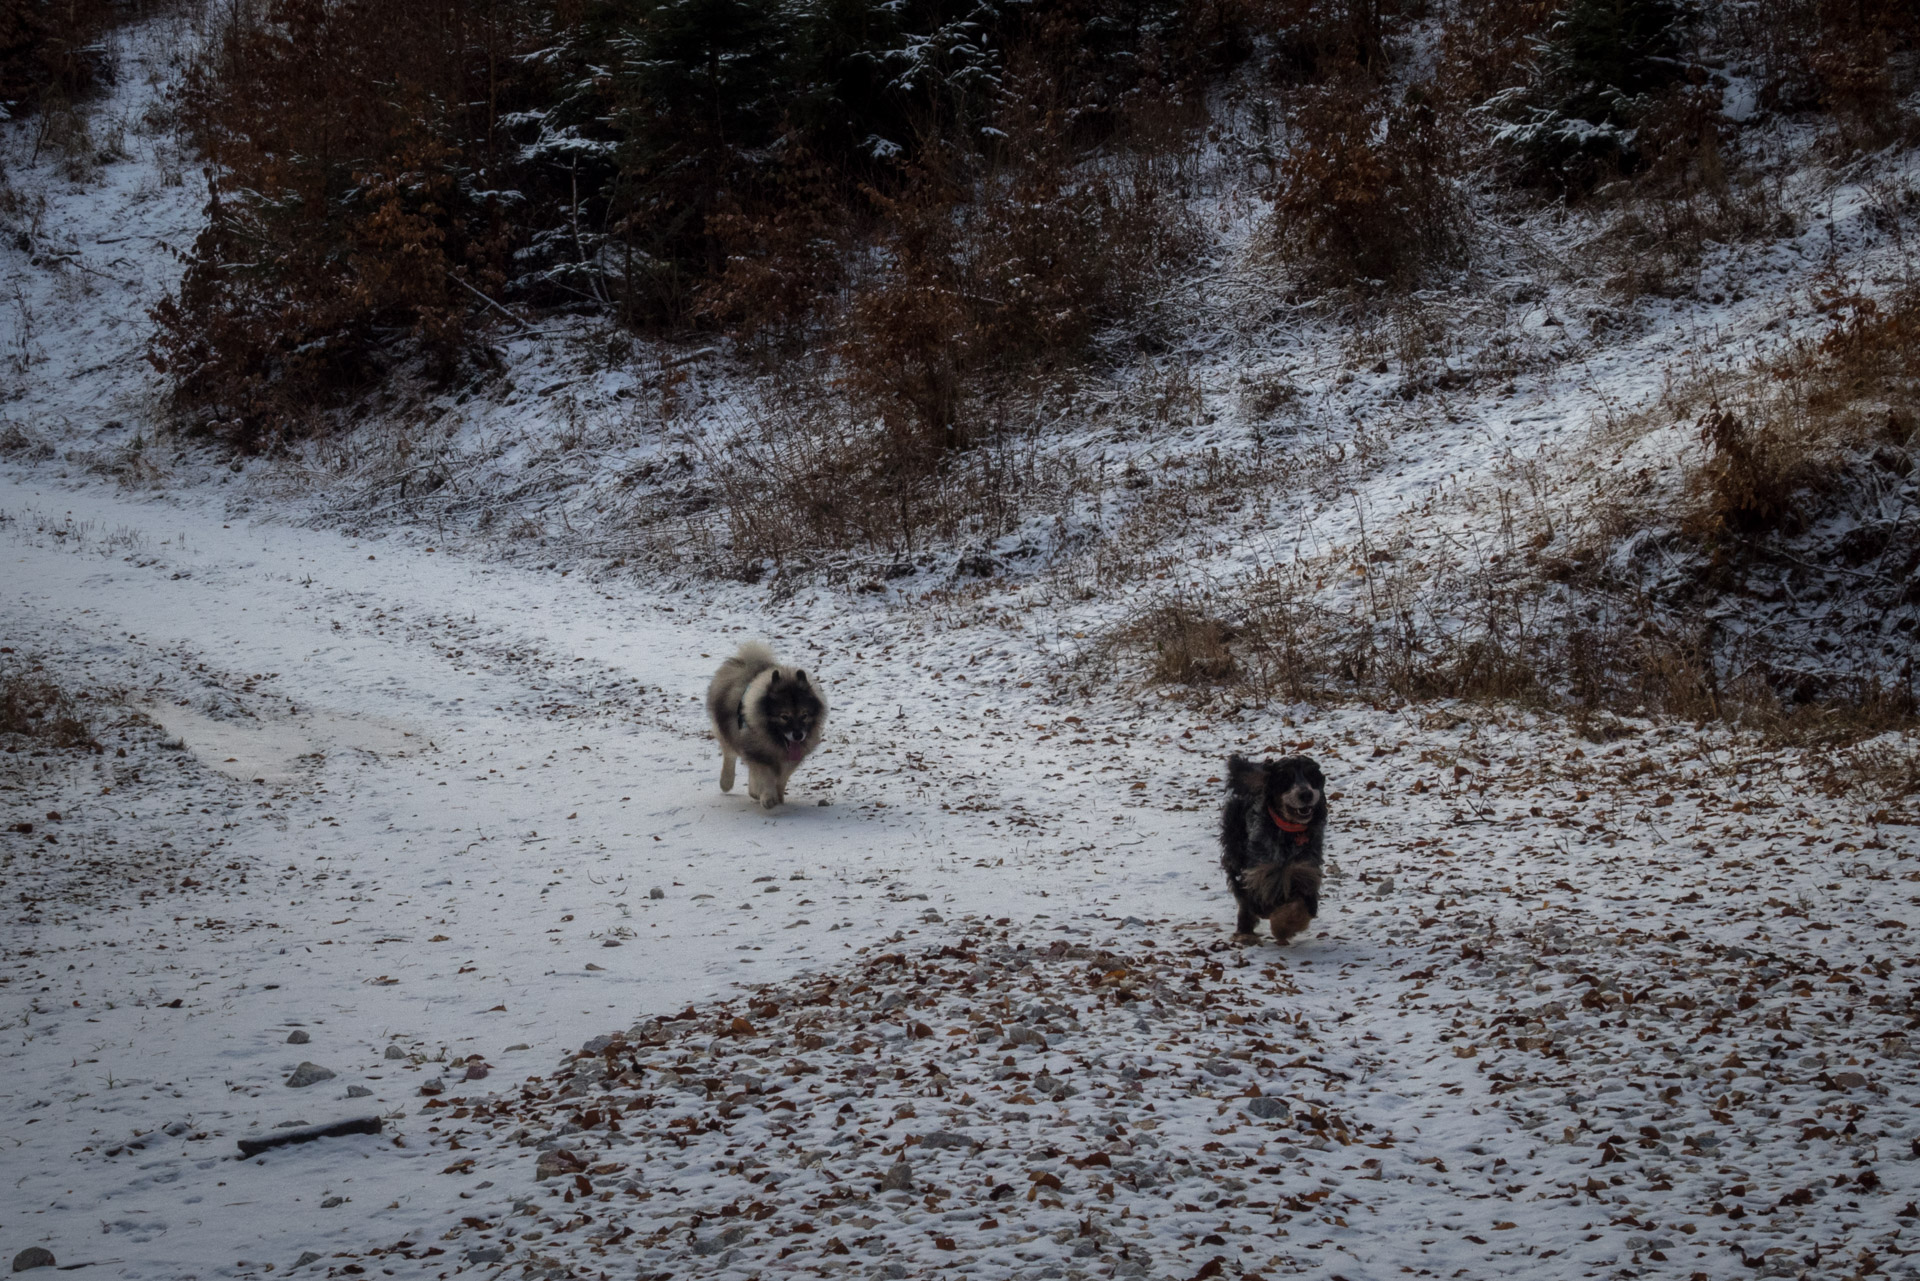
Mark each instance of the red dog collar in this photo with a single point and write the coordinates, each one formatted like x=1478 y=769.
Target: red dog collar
x=1296 y=830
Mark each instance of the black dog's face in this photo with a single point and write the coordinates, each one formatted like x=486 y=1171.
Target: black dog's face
x=1292 y=787
x=791 y=709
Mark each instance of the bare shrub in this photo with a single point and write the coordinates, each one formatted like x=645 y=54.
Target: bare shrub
x=809 y=484
x=1688 y=193
x=984 y=280
x=1853 y=59
x=1190 y=646
x=1315 y=38
x=1368 y=193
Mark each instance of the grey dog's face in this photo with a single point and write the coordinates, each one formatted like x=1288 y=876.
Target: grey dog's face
x=791 y=709
x=1292 y=787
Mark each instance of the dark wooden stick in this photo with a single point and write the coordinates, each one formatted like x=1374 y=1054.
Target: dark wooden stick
x=308 y=1133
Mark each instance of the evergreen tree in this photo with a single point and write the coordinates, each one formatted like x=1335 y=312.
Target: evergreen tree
x=1599 y=69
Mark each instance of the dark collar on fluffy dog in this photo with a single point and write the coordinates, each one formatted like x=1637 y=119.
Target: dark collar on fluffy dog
x=1296 y=830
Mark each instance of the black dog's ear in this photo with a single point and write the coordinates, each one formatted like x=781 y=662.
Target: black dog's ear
x=1242 y=774
x=799 y=677
x=1311 y=768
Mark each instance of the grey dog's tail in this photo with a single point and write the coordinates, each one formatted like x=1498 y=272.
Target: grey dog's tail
x=755 y=655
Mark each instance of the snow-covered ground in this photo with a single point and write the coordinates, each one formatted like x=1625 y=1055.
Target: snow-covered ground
x=1546 y=964
x=1573 y=1007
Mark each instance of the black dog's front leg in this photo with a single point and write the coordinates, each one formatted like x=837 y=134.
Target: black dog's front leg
x=1246 y=921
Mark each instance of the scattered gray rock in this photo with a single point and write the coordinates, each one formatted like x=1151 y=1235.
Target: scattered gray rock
x=309 y=1074
x=298 y=1037
x=358 y=1092
x=1269 y=1108
x=720 y=1240
x=306 y=1257
x=178 y=1128
x=395 y=1052
x=945 y=1139
x=332 y=1201
x=32 y=1257
x=898 y=1179
x=486 y=1254
x=554 y=1163
x=656 y=892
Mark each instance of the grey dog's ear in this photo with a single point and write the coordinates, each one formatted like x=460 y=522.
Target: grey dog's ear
x=1241 y=774
x=799 y=677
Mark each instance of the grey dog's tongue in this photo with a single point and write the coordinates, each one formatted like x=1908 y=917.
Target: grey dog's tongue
x=796 y=751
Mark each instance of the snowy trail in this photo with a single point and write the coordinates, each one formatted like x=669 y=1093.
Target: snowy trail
x=1521 y=1000
x=440 y=793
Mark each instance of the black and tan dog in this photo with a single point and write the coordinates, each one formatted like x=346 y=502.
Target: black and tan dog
x=1272 y=836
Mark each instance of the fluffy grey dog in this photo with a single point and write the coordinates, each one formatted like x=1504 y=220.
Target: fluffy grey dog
x=768 y=713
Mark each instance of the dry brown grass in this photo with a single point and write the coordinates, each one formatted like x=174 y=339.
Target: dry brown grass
x=1787 y=438
x=35 y=708
x=1189 y=646
x=809 y=485
x=1599 y=591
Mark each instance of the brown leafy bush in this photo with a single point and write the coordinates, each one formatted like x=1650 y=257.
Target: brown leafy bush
x=1368 y=193
x=1486 y=46
x=1750 y=476
x=785 y=260
x=348 y=144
